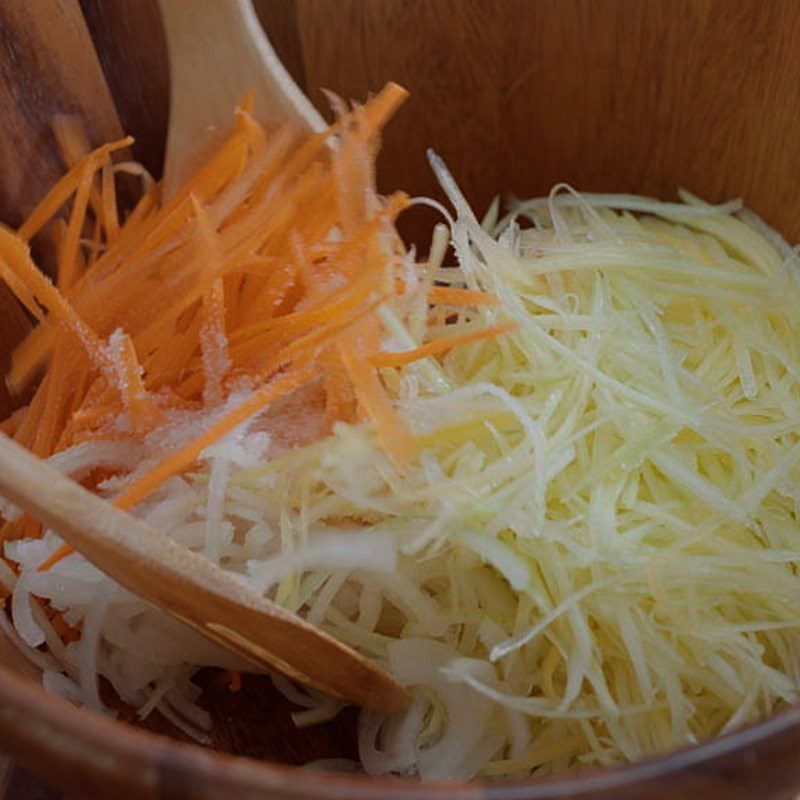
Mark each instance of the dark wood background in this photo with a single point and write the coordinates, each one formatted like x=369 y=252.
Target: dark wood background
x=609 y=95
x=627 y=95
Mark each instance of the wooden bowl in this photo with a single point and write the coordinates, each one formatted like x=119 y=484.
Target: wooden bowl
x=517 y=95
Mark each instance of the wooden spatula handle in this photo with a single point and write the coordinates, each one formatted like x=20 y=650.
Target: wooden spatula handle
x=218 y=52
x=190 y=587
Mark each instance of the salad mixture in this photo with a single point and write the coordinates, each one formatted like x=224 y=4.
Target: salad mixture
x=547 y=476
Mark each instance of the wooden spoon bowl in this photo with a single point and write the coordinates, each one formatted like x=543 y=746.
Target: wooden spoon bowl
x=606 y=94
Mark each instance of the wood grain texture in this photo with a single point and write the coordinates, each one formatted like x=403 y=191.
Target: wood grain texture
x=609 y=95
x=97 y=759
x=448 y=53
x=22 y=785
x=521 y=94
x=5 y=773
x=47 y=66
x=129 y=40
x=279 y=20
x=14 y=324
x=263 y=727
x=650 y=96
x=626 y=95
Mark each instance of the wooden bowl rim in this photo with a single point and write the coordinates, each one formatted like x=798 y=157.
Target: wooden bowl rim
x=52 y=737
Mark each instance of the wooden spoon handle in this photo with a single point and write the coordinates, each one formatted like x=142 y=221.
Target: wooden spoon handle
x=218 y=53
x=190 y=587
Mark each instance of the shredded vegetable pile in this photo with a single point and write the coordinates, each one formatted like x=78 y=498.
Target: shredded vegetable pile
x=553 y=487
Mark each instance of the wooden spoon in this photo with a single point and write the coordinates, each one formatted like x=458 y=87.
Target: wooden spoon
x=190 y=587
x=218 y=52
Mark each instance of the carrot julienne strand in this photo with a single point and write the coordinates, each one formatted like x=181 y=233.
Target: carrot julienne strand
x=262 y=274
x=438 y=346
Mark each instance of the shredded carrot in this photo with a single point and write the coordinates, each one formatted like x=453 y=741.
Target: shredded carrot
x=445 y=295
x=62 y=191
x=140 y=406
x=20 y=290
x=95 y=247
x=213 y=338
x=370 y=392
x=16 y=255
x=110 y=214
x=235 y=283
x=438 y=346
x=450 y=296
x=340 y=397
x=25 y=527
x=63 y=629
x=67 y=267
x=74 y=146
x=383 y=106
x=188 y=454
x=59 y=554
x=10 y=426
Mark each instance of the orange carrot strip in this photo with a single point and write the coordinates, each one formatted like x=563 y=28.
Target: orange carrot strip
x=33 y=351
x=57 y=555
x=168 y=362
x=340 y=396
x=110 y=215
x=25 y=527
x=215 y=173
x=308 y=346
x=380 y=109
x=54 y=407
x=213 y=338
x=450 y=296
x=9 y=425
x=16 y=255
x=64 y=630
x=446 y=295
x=437 y=346
x=140 y=406
x=20 y=290
x=316 y=337
x=352 y=169
x=68 y=254
x=26 y=430
x=188 y=454
x=337 y=303
x=74 y=146
x=96 y=247
x=393 y=433
x=60 y=193
x=214 y=343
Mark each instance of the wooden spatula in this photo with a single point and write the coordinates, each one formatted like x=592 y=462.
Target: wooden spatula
x=190 y=587
x=218 y=52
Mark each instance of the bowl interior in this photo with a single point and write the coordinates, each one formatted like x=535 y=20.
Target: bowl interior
x=516 y=96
